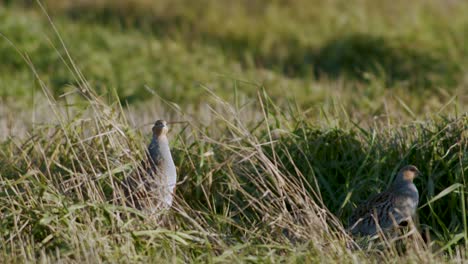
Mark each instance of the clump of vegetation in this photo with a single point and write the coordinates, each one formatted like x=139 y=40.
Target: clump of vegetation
x=249 y=191
x=360 y=56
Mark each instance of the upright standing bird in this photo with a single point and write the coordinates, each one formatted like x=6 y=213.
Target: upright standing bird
x=153 y=187
x=389 y=208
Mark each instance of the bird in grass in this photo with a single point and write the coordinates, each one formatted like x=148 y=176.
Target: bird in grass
x=152 y=188
x=390 y=208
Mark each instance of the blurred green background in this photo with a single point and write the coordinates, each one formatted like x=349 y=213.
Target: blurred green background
x=308 y=51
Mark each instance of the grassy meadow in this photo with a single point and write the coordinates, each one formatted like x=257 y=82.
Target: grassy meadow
x=293 y=112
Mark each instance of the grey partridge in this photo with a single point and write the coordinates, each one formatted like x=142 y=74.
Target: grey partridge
x=390 y=208
x=153 y=187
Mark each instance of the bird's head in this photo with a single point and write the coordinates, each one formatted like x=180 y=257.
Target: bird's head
x=160 y=128
x=408 y=173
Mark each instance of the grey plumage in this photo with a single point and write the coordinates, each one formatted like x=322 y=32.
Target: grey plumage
x=152 y=187
x=389 y=208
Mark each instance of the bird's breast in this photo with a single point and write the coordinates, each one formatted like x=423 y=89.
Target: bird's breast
x=408 y=200
x=167 y=163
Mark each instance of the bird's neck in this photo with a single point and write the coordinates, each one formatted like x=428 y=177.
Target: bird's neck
x=404 y=186
x=161 y=138
x=162 y=144
x=402 y=182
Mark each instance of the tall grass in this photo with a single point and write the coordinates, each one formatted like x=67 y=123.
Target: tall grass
x=259 y=181
x=267 y=189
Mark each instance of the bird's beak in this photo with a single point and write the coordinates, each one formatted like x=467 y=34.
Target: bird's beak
x=418 y=175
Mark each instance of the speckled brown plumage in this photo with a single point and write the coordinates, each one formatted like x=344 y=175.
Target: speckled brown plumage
x=389 y=208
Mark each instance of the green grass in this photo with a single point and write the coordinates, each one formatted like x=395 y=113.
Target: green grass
x=174 y=46
x=296 y=112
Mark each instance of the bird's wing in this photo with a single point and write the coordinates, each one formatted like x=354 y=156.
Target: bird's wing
x=137 y=189
x=154 y=158
x=379 y=203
